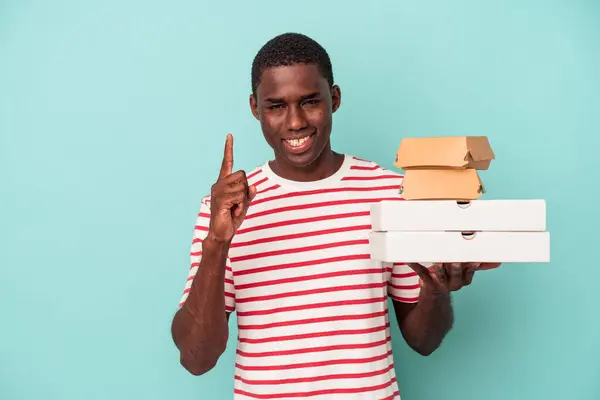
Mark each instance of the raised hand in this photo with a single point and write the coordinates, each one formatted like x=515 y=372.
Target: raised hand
x=230 y=198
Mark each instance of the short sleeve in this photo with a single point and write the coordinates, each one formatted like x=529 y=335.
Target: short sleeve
x=403 y=285
x=200 y=232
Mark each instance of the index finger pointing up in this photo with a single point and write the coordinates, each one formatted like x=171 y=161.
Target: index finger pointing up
x=227 y=165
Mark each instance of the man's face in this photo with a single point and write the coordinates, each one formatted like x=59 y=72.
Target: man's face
x=294 y=105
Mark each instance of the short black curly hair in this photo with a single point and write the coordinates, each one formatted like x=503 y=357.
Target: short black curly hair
x=288 y=49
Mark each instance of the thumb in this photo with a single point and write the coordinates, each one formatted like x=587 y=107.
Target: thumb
x=422 y=272
x=242 y=209
x=251 y=192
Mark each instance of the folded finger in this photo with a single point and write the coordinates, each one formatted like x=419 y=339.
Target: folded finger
x=472 y=265
x=236 y=197
x=236 y=177
x=439 y=273
x=485 y=266
x=468 y=276
x=235 y=188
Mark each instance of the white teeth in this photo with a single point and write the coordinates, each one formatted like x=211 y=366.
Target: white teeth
x=297 y=142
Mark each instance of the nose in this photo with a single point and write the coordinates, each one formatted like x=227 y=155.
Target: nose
x=296 y=119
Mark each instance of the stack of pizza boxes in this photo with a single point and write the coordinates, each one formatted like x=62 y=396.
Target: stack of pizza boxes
x=444 y=219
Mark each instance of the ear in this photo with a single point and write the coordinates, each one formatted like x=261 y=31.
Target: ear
x=254 y=106
x=336 y=98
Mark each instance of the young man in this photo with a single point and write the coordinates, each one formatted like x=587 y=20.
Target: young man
x=286 y=247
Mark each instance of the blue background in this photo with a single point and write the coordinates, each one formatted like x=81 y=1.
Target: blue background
x=113 y=117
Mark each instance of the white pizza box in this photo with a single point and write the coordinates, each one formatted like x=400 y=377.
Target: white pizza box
x=428 y=247
x=452 y=215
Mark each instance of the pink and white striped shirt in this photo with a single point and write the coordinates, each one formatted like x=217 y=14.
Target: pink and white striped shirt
x=311 y=306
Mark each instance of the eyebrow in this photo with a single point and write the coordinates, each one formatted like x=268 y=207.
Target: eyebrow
x=305 y=97
x=310 y=96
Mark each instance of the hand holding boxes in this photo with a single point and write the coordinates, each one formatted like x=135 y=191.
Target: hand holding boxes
x=448 y=223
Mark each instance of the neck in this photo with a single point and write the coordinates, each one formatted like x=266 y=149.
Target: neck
x=323 y=167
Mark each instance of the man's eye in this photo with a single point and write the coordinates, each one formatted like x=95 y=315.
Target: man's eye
x=275 y=106
x=311 y=102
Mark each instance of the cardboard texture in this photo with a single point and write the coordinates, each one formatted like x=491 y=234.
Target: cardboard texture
x=428 y=247
x=443 y=167
x=450 y=215
x=442 y=184
x=453 y=152
x=448 y=222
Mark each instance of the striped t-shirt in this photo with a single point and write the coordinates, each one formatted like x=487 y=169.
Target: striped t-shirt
x=311 y=306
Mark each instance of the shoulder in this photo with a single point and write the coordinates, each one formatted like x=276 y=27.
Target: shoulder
x=361 y=167
x=256 y=176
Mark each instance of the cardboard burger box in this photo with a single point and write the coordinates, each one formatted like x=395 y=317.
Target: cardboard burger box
x=443 y=167
x=451 y=152
x=443 y=219
x=441 y=184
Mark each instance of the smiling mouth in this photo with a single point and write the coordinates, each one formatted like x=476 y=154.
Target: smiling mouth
x=298 y=142
x=297 y=145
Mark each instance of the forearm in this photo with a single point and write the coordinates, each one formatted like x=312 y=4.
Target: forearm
x=426 y=325
x=199 y=328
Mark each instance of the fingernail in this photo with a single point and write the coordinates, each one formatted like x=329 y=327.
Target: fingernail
x=456 y=265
